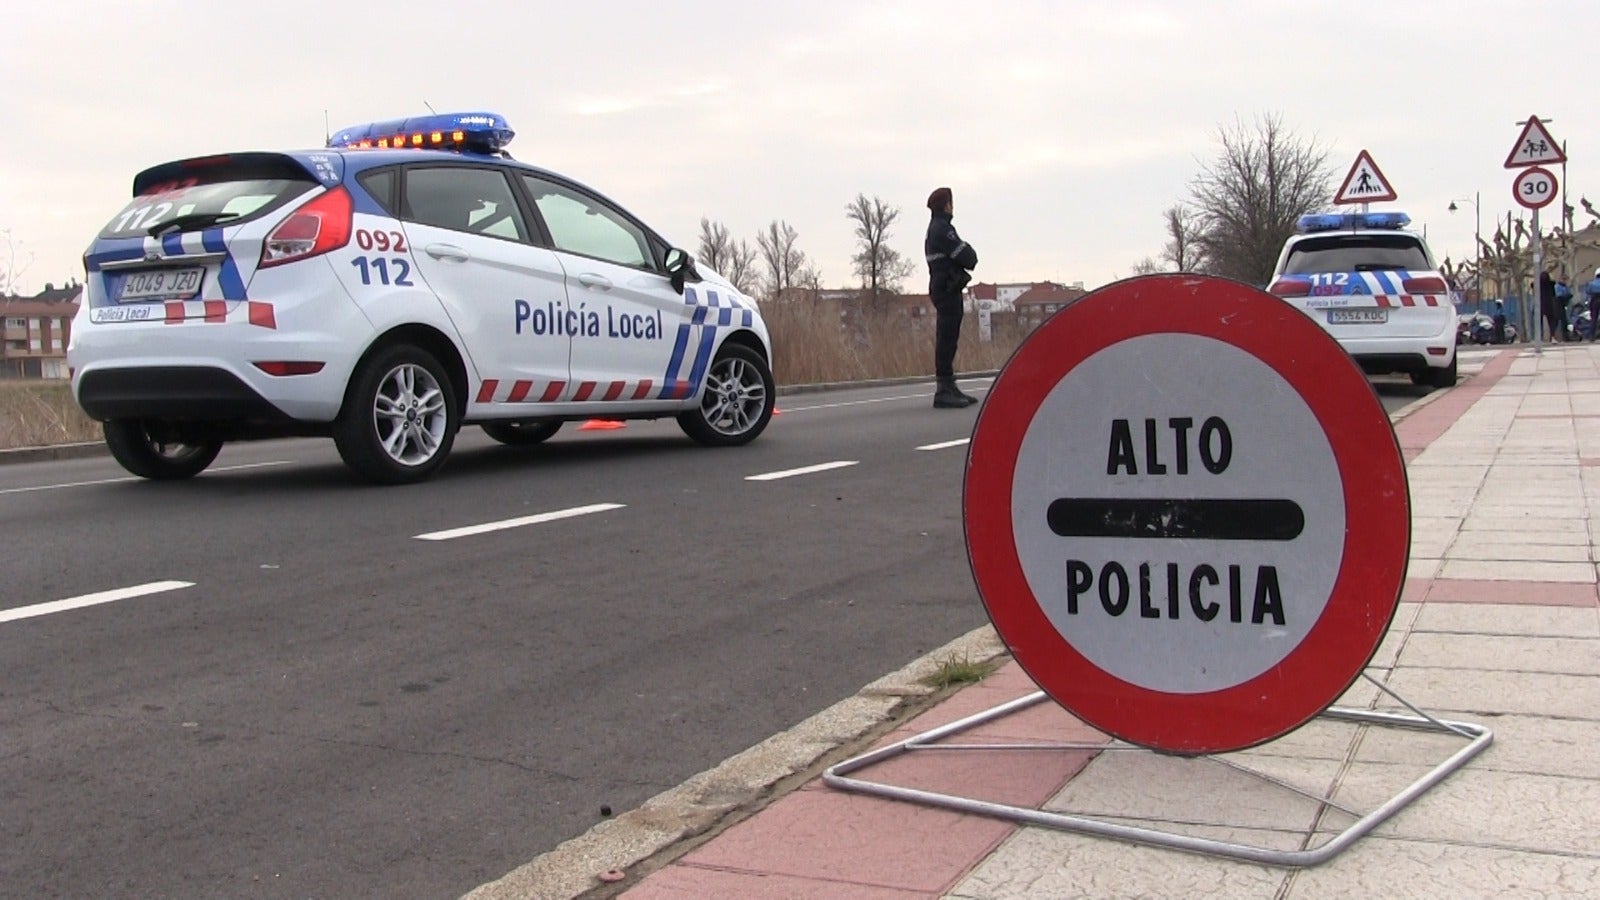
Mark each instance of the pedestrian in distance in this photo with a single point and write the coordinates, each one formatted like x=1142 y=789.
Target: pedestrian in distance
x=1547 y=306
x=1593 y=290
x=1563 y=301
x=950 y=264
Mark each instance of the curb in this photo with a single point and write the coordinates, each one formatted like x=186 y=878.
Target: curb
x=82 y=450
x=735 y=789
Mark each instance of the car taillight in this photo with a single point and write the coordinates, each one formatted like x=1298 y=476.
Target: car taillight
x=313 y=229
x=282 y=368
x=1290 y=288
x=1426 y=284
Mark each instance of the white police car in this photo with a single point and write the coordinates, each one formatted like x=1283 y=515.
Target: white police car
x=384 y=291
x=1376 y=288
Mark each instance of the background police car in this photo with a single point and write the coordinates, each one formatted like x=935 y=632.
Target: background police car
x=1377 y=289
x=384 y=291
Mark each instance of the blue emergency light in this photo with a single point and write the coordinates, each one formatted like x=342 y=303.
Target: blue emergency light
x=474 y=132
x=1334 y=221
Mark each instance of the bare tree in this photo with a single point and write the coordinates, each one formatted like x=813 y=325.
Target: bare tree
x=784 y=265
x=10 y=270
x=734 y=260
x=716 y=244
x=1148 y=266
x=741 y=267
x=1183 y=249
x=1246 y=201
x=882 y=268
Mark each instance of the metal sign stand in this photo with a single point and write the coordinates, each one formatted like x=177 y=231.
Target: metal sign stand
x=1478 y=739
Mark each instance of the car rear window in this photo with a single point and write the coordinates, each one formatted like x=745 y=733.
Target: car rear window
x=1357 y=253
x=199 y=194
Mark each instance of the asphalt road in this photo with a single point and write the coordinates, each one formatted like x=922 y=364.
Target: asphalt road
x=326 y=705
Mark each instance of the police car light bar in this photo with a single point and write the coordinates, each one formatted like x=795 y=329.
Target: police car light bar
x=477 y=132
x=1335 y=221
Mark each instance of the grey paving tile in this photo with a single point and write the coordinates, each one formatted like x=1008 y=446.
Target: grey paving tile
x=1484 y=618
x=1477 y=805
x=1533 y=745
x=1520 y=693
x=1142 y=785
x=1401 y=869
x=1568 y=656
x=1040 y=862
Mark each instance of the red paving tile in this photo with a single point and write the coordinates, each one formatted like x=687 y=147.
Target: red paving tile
x=681 y=882
x=836 y=836
x=1539 y=593
x=1416 y=431
x=1045 y=721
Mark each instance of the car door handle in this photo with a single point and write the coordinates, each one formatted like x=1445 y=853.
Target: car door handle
x=447 y=251
x=595 y=281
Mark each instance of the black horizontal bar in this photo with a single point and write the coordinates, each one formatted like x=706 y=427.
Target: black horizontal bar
x=1201 y=520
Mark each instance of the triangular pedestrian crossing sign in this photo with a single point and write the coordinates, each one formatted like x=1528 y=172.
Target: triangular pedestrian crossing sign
x=1364 y=184
x=1535 y=147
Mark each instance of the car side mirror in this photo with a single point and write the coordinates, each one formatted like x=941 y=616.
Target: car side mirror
x=680 y=268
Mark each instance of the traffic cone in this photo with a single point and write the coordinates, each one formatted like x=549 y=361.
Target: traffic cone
x=602 y=425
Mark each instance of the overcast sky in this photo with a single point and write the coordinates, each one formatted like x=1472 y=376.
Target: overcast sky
x=1064 y=128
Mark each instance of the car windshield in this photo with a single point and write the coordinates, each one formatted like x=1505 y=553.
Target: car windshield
x=1357 y=253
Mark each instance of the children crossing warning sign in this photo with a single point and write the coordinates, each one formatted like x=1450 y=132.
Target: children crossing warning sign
x=1535 y=147
x=1365 y=183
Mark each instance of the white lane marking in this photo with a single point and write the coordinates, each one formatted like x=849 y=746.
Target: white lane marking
x=55 y=606
x=806 y=470
x=503 y=524
x=946 y=445
x=73 y=484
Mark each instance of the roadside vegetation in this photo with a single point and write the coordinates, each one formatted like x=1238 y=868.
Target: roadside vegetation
x=38 y=413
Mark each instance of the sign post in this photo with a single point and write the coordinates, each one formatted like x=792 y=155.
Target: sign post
x=1535 y=188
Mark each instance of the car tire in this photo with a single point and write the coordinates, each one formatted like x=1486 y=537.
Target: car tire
x=521 y=434
x=1445 y=377
x=399 y=418
x=147 y=456
x=737 y=401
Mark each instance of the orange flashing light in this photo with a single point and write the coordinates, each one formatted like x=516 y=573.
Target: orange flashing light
x=459 y=137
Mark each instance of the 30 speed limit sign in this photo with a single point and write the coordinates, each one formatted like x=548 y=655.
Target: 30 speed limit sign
x=1534 y=188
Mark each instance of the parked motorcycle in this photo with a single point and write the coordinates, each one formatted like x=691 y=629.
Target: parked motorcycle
x=1481 y=330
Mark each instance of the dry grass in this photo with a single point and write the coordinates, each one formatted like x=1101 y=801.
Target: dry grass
x=38 y=413
x=810 y=347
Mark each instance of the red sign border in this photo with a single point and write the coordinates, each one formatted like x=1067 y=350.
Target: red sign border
x=1530 y=170
x=1366 y=591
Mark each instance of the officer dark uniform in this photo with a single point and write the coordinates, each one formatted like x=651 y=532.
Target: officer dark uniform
x=950 y=260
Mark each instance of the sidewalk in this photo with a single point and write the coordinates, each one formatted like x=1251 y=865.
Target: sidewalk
x=1499 y=625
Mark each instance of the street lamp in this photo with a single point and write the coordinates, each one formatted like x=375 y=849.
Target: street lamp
x=1477 y=240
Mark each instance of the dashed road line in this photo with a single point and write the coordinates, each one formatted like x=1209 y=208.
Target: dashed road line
x=503 y=524
x=945 y=445
x=804 y=470
x=55 y=606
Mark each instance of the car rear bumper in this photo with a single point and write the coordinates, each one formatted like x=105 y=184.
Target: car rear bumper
x=186 y=393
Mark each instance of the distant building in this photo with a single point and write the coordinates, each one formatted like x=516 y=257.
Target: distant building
x=34 y=332
x=1043 y=300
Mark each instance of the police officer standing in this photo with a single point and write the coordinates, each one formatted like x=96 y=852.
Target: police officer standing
x=950 y=261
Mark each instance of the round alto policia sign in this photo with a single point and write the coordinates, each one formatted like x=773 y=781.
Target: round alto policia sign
x=1186 y=513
